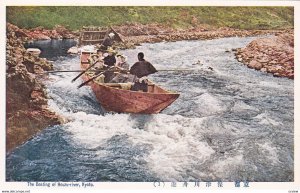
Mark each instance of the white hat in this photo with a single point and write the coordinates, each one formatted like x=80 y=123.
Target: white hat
x=111 y=34
x=122 y=56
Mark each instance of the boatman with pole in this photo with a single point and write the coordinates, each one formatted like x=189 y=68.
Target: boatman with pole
x=141 y=69
x=108 y=41
x=109 y=61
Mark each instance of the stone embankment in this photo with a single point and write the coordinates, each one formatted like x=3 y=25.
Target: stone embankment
x=273 y=55
x=27 y=111
x=135 y=34
x=40 y=33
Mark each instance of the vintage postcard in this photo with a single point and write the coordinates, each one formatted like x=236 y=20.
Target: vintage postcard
x=139 y=96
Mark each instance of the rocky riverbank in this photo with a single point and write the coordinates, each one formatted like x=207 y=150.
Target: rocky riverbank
x=273 y=55
x=27 y=111
x=135 y=34
x=40 y=33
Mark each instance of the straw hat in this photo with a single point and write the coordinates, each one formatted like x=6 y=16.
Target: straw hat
x=111 y=50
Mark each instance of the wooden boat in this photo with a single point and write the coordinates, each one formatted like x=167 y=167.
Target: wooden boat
x=113 y=97
x=96 y=35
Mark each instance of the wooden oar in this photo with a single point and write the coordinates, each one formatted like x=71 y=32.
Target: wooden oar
x=58 y=71
x=91 y=79
x=161 y=70
x=176 y=70
x=84 y=71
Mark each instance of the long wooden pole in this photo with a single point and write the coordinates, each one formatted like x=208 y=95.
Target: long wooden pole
x=83 y=72
x=95 y=76
x=160 y=70
x=86 y=82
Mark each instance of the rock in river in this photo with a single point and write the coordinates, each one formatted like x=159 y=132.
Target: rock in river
x=34 y=51
x=273 y=54
x=27 y=111
x=73 y=50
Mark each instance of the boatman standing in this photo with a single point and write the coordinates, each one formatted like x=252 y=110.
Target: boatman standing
x=108 y=41
x=141 y=69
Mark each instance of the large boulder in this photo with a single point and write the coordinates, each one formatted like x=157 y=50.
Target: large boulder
x=274 y=55
x=34 y=51
x=26 y=99
x=255 y=64
x=73 y=50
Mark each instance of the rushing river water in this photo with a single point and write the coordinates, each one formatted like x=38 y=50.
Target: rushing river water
x=229 y=123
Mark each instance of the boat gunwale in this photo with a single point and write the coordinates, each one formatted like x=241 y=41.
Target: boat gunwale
x=132 y=91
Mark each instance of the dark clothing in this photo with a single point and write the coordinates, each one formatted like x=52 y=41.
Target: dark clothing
x=142 y=68
x=137 y=86
x=123 y=78
x=109 y=75
x=107 y=42
x=110 y=60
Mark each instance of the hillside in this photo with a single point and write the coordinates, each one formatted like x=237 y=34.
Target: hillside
x=176 y=17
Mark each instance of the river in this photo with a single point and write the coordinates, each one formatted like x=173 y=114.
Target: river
x=229 y=123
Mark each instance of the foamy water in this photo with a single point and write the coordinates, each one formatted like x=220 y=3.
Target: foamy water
x=229 y=123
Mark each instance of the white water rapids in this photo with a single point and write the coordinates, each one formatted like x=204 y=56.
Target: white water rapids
x=229 y=123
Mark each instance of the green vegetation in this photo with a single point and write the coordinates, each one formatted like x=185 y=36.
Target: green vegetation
x=178 y=17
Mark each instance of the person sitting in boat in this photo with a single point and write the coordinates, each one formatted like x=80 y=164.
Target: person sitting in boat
x=108 y=41
x=96 y=63
x=109 y=57
x=95 y=60
x=122 y=68
x=122 y=62
x=141 y=69
x=98 y=59
x=109 y=61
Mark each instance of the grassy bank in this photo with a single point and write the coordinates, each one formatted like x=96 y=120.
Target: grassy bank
x=177 y=17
